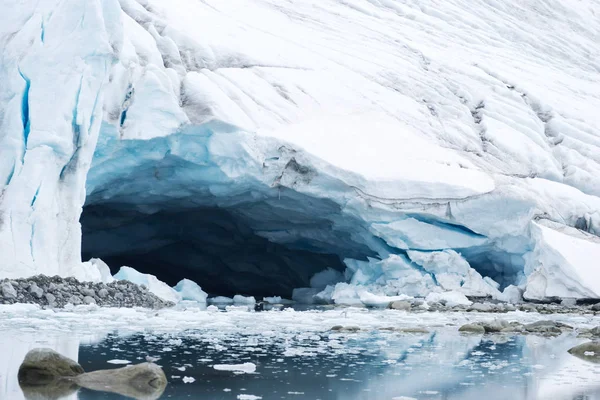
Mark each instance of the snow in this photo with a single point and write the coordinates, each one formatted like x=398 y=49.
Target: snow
x=450 y=299
x=433 y=149
x=154 y=285
x=97 y=271
x=119 y=362
x=239 y=299
x=220 y=300
x=190 y=290
x=246 y=368
x=563 y=263
x=277 y=300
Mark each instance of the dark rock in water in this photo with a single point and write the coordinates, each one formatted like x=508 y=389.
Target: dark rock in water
x=58 y=389
x=589 y=351
x=42 y=366
x=56 y=292
x=339 y=328
x=472 y=328
x=547 y=327
x=146 y=380
x=46 y=374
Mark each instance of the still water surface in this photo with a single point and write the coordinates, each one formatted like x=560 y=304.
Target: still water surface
x=441 y=364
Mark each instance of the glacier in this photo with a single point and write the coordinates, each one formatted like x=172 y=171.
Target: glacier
x=410 y=147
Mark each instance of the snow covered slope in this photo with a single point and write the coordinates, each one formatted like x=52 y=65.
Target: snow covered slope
x=418 y=141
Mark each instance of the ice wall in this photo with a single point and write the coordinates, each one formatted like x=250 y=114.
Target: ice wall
x=55 y=61
x=440 y=134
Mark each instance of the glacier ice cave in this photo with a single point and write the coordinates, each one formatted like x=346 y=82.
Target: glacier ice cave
x=177 y=215
x=410 y=151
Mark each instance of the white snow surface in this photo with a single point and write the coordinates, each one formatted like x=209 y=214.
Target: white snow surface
x=246 y=368
x=466 y=129
x=190 y=290
x=154 y=285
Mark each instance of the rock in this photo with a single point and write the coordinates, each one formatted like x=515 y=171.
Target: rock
x=413 y=330
x=480 y=307
x=400 y=305
x=513 y=327
x=472 y=328
x=595 y=307
x=496 y=325
x=8 y=291
x=46 y=374
x=50 y=298
x=88 y=292
x=595 y=331
x=140 y=381
x=546 y=327
x=36 y=291
x=340 y=328
x=63 y=291
x=589 y=351
x=527 y=307
x=45 y=365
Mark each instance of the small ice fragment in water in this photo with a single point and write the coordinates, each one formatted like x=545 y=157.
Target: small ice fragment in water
x=248 y=397
x=403 y=398
x=188 y=379
x=119 y=362
x=180 y=369
x=244 y=368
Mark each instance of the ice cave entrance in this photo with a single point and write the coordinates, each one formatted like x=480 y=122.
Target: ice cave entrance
x=225 y=250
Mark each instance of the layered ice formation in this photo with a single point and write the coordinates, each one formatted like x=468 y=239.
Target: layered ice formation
x=407 y=147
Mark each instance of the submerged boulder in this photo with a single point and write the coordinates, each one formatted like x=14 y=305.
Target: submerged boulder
x=547 y=327
x=589 y=351
x=47 y=374
x=42 y=366
x=140 y=381
x=472 y=328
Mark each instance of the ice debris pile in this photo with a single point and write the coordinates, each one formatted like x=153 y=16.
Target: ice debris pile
x=413 y=149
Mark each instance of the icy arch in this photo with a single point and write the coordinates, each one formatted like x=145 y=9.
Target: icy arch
x=243 y=214
x=172 y=207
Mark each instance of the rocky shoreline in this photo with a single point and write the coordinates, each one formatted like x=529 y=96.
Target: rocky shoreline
x=485 y=306
x=57 y=292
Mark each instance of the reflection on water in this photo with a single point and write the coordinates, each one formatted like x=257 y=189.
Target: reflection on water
x=293 y=365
